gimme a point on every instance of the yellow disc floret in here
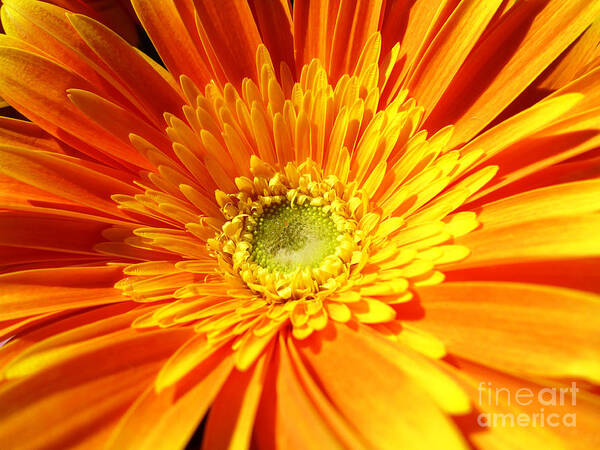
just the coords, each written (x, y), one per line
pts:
(286, 237)
(290, 235)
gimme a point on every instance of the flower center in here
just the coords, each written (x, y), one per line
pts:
(288, 236)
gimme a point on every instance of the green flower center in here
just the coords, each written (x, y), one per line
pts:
(287, 237)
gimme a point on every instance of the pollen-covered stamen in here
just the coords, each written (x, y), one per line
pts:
(288, 236)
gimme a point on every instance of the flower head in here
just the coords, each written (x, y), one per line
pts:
(326, 228)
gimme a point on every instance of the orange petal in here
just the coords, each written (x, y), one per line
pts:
(115, 14)
(549, 176)
(538, 33)
(412, 24)
(546, 239)
(118, 121)
(418, 340)
(28, 332)
(228, 28)
(574, 136)
(140, 78)
(579, 273)
(330, 415)
(45, 28)
(45, 290)
(10, 328)
(385, 405)
(587, 85)
(524, 328)
(527, 123)
(47, 32)
(37, 86)
(409, 22)
(90, 405)
(370, 310)
(314, 23)
(64, 177)
(288, 418)
(355, 23)
(20, 258)
(74, 342)
(175, 412)
(94, 387)
(172, 38)
(252, 347)
(21, 133)
(232, 415)
(449, 50)
(578, 59)
(569, 199)
(13, 192)
(193, 353)
(428, 374)
(274, 20)
(51, 230)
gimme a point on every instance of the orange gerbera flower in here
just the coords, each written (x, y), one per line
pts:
(346, 225)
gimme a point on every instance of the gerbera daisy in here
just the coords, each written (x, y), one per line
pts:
(340, 225)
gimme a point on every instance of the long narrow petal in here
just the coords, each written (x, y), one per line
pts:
(528, 329)
(39, 291)
(146, 84)
(35, 329)
(274, 20)
(99, 384)
(38, 86)
(174, 412)
(193, 353)
(63, 177)
(493, 76)
(74, 342)
(449, 50)
(230, 31)
(55, 230)
(14, 192)
(574, 62)
(566, 172)
(522, 125)
(333, 417)
(574, 136)
(232, 415)
(573, 273)
(355, 23)
(376, 397)
(546, 239)
(112, 13)
(172, 39)
(413, 24)
(118, 121)
(24, 134)
(314, 22)
(553, 201)
(44, 28)
(288, 418)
